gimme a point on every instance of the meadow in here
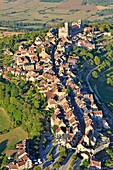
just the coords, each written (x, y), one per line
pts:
(4, 120)
(102, 89)
(10, 139)
(15, 135)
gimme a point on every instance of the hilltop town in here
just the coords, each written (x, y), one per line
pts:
(79, 122)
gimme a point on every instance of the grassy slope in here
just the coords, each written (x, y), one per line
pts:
(101, 88)
(4, 120)
(104, 90)
(8, 140)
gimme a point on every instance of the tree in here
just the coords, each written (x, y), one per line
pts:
(86, 163)
(50, 157)
(89, 55)
(63, 151)
(37, 168)
(5, 161)
(47, 168)
(97, 60)
(54, 128)
(94, 74)
(74, 48)
(108, 47)
(110, 81)
(74, 157)
(68, 91)
(102, 28)
(56, 166)
(83, 52)
(70, 168)
(60, 160)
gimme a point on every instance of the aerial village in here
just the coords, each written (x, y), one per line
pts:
(77, 117)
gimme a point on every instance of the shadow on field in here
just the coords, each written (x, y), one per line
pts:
(3, 145)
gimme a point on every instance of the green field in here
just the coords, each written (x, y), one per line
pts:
(4, 120)
(104, 90)
(8, 140)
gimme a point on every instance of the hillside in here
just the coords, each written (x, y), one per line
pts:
(98, 2)
(41, 13)
(8, 140)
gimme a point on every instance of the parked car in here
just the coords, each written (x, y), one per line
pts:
(36, 163)
(40, 161)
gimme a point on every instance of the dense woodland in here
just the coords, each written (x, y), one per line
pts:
(25, 105)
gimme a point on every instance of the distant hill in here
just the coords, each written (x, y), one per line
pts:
(54, 1)
(98, 2)
(37, 14)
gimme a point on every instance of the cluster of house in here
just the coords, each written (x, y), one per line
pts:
(77, 119)
(30, 58)
(19, 157)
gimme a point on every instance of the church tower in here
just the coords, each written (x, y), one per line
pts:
(66, 28)
(79, 23)
(64, 31)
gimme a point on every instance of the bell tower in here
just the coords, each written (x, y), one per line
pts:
(66, 28)
(79, 23)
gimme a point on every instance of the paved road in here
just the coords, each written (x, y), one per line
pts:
(87, 80)
(101, 147)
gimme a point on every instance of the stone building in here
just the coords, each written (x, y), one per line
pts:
(66, 30)
(63, 31)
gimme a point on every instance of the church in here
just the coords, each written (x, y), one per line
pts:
(67, 30)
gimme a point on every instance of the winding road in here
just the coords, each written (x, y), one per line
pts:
(106, 110)
(89, 85)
